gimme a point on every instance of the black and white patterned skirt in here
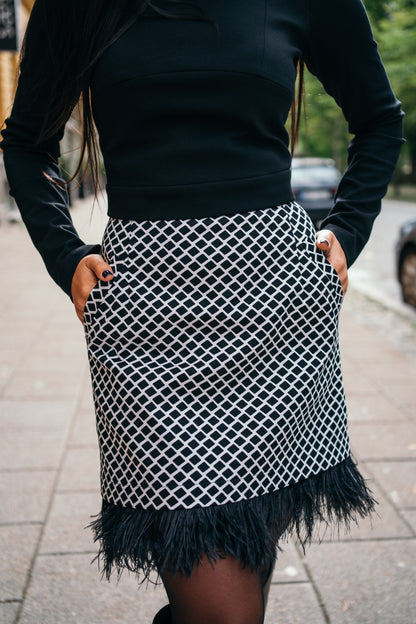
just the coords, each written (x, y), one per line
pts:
(218, 392)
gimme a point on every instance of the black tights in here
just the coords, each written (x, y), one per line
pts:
(224, 594)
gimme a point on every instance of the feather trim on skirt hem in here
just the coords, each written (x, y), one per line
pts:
(144, 541)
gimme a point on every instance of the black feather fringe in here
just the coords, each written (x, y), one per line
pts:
(143, 541)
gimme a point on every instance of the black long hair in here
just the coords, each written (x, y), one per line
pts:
(298, 106)
(81, 33)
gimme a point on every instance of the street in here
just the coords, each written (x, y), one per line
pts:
(374, 273)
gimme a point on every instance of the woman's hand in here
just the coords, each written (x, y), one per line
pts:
(90, 269)
(328, 243)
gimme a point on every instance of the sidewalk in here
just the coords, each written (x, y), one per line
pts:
(49, 473)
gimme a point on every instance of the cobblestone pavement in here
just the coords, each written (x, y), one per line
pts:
(49, 468)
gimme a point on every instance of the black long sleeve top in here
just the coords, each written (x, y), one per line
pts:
(191, 119)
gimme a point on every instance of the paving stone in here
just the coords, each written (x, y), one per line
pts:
(67, 324)
(398, 480)
(362, 349)
(25, 495)
(289, 567)
(17, 547)
(18, 334)
(294, 603)
(65, 315)
(65, 318)
(40, 285)
(35, 414)
(366, 583)
(15, 339)
(8, 612)
(84, 430)
(385, 523)
(381, 360)
(50, 363)
(10, 358)
(66, 530)
(40, 307)
(30, 276)
(349, 367)
(66, 589)
(353, 335)
(80, 471)
(403, 394)
(392, 321)
(86, 400)
(390, 441)
(38, 385)
(73, 336)
(392, 369)
(373, 408)
(6, 371)
(24, 449)
(355, 383)
(410, 516)
(63, 348)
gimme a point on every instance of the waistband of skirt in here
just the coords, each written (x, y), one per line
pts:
(199, 200)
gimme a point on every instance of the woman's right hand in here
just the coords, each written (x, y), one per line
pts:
(327, 242)
(90, 269)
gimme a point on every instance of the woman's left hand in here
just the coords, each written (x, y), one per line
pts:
(328, 243)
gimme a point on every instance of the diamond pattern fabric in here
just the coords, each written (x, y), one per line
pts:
(214, 359)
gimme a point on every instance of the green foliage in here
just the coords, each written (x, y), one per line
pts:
(397, 39)
(396, 36)
(325, 134)
(377, 10)
(324, 131)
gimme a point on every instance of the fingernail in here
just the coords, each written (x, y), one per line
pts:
(323, 240)
(106, 273)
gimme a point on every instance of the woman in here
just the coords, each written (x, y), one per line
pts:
(210, 310)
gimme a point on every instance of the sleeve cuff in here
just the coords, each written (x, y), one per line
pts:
(346, 239)
(69, 264)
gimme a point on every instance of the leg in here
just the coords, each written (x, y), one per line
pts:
(225, 593)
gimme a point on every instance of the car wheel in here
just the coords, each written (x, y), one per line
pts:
(408, 278)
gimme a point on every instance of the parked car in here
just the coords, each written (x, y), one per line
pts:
(406, 261)
(314, 184)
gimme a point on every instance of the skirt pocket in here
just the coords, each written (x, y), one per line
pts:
(95, 301)
(97, 298)
(314, 262)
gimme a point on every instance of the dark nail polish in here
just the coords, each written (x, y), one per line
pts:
(323, 240)
(106, 273)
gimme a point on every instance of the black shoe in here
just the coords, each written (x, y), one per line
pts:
(163, 616)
